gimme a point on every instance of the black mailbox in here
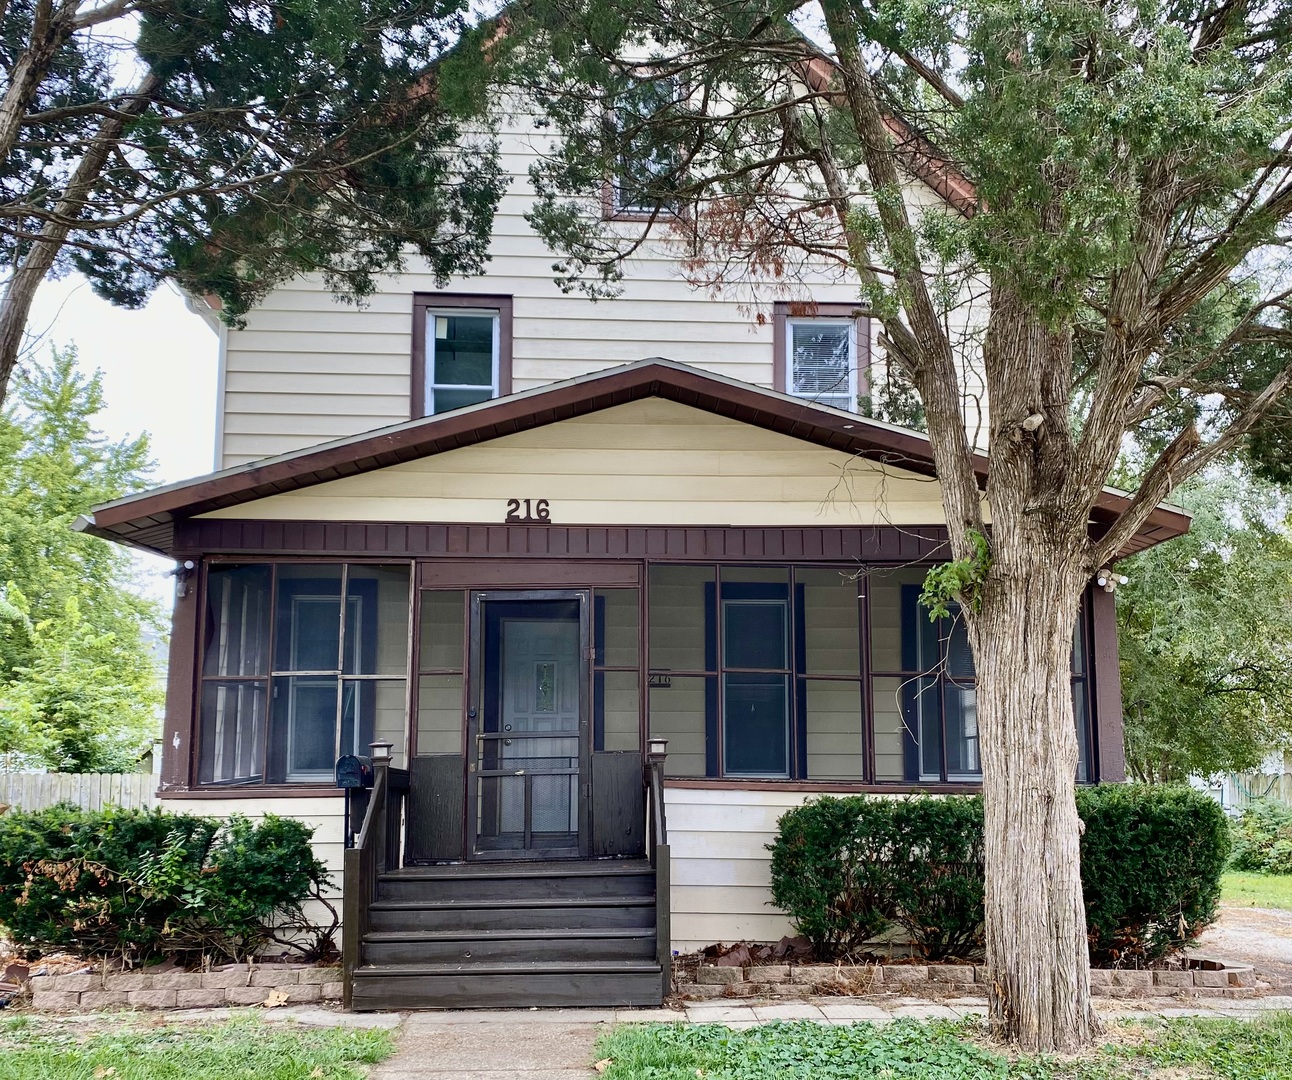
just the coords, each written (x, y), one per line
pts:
(353, 771)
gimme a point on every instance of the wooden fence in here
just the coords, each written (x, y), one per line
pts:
(91, 791)
(1243, 789)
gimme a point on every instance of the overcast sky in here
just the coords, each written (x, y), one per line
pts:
(158, 369)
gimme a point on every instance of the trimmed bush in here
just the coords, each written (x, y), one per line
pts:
(845, 870)
(142, 884)
(1263, 839)
(1151, 860)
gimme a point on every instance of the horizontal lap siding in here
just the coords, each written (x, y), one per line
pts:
(721, 867)
(290, 374)
(649, 462)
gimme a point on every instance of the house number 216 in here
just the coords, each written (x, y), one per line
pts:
(528, 512)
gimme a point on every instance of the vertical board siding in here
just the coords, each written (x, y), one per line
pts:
(89, 791)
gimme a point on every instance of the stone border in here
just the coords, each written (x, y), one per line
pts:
(235, 984)
(1209, 978)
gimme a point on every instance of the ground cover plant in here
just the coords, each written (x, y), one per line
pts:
(146, 884)
(906, 1050)
(137, 1050)
(1257, 890)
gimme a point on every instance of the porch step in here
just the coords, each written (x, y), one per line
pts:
(493, 882)
(506, 985)
(564, 913)
(486, 946)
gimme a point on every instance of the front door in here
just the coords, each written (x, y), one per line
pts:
(528, 731)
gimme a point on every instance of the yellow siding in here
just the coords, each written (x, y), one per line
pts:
(651, 462)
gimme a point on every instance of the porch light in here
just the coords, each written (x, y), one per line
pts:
(380, 752)
(656, 750)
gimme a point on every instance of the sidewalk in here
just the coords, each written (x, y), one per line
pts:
(557, 1044)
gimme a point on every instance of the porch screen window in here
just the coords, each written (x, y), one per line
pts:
(462, 358)
(821, 361)
(301, 663)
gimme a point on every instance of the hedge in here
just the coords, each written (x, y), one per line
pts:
(146, 884)
(847, 870)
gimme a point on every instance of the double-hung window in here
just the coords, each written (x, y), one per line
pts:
(646, 148)
(821, 356)
(461, 351)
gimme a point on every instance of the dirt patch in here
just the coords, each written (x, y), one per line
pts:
(1261, 937)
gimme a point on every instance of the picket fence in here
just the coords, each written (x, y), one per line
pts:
(90, 791)
(1243, 789)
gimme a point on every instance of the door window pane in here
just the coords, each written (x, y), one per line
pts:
(232, 732)
(442, 628)
(681, 622)
(755, 725)
(237, 620)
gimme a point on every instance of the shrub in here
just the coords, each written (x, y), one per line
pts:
(844, 870)
(938, 874)
(831, 871)
(1263, 838)
(144, 884)
(1151, 860)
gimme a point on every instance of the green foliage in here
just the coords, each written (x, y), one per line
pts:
(79, 687)
(306, 138)
(904, 1050)
(845, 870)
(1263, 838)
(959, 581)
(242, 1047)
(144, 884)
(1151, 862)
(1205, 626)
(1257, 890)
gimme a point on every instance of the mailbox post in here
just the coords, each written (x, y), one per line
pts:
(354, 776)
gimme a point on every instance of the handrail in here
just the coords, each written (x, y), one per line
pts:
(660, 859)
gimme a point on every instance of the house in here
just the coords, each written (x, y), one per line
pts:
(609, 616)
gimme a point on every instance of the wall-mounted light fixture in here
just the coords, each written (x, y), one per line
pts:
(182, 572)
(1108, 581)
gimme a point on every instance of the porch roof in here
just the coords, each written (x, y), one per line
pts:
(147, 519)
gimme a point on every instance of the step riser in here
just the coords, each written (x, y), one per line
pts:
(518, 888)
(464, 991)
(541, 918)
(506, 950)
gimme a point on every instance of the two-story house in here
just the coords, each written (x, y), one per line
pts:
(532, 542)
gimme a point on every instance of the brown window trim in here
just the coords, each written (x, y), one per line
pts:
(784, 310)
(253, 791)
(422, 302)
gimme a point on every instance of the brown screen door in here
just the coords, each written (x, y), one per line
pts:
(528, 725)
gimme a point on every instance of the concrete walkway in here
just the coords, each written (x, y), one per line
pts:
(557, 1044)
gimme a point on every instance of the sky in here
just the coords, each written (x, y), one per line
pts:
(159, 377)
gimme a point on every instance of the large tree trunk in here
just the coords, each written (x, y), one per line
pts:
(1036, 930)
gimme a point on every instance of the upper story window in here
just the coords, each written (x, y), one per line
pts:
(822, 356)
(647, 159)
(461, 351)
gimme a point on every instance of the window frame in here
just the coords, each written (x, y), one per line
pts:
(273, 673)
(424, 305)
(784, 313)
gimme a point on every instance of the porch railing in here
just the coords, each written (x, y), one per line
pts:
(375, 850)
(659, 858)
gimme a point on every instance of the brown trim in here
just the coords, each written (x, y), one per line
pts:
(824, 786)
(784, 310)
(527, 573)
(256, 791)
(1106, 689)
(423, 302)
(148, 520)
(179, 728)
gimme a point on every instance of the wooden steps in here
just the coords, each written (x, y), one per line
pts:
(515, 935)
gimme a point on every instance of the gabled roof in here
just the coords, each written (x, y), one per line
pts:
(147, 519)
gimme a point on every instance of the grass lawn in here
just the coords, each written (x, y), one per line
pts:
(906, 1050)
(1257, 890)
(130, 1048)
